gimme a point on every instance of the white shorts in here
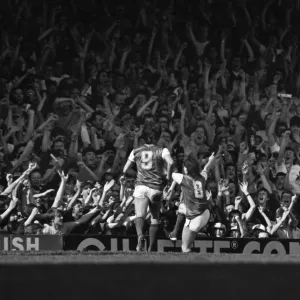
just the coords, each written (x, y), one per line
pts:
(144, 192)
(199, 222)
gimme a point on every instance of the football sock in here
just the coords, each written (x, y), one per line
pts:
(139, 225)
(152, 233)
(178, 226)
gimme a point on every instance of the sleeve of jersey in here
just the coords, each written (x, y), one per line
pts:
(131, 156)
(165, 152)
(177, 177)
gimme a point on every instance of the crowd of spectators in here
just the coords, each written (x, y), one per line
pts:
(82, 83)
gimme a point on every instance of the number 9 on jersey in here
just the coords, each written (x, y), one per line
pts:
(146, 160)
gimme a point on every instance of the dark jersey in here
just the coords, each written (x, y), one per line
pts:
(194, 196)
(149, 160)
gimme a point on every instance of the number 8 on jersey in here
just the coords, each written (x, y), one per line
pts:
(198, 190)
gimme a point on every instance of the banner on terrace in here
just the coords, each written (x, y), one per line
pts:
(4, 242)
(31, 242)
(207, 245)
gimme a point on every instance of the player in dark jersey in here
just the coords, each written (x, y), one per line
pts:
(194, 199)
(150, 161)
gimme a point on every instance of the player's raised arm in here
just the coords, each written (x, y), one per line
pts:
(207, 167)
(130, 161)
(210, 162)
(168, 158)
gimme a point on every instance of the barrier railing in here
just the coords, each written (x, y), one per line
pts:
(203, 245)
(119, 243)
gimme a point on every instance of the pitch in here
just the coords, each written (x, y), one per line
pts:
(61, 257)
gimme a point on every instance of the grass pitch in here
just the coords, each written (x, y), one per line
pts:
(59, 257)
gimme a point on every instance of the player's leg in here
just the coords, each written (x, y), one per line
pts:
(188, 236)
(154, 205)
(140, 204)
(179, 222)
(191, 228)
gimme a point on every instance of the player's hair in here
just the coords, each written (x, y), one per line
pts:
(192, 166)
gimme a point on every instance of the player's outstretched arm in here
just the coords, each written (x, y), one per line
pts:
(168, 158)
(130, 161)
(127, 166)
(209, 163)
